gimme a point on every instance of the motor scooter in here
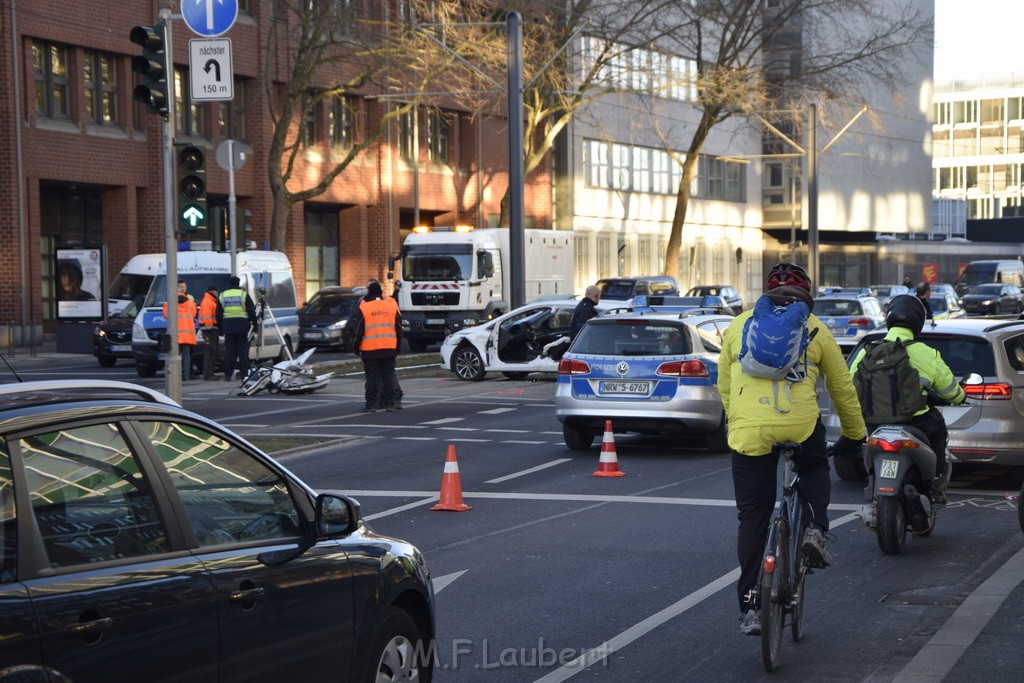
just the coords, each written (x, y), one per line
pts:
(901, 466)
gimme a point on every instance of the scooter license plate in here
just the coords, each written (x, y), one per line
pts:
(889, 469)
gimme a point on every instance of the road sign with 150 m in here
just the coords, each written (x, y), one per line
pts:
(210, 70)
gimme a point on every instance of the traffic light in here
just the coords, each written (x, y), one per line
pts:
(190, 181)
(154, 65)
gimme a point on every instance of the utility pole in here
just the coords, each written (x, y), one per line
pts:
(172, 364)
(813, 257)
(516, 177)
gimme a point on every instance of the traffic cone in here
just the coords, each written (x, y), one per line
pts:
(451, 486)
(609, 464)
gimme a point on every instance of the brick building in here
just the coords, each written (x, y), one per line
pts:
(83, 160)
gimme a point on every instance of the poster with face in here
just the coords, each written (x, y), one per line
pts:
(78, 281)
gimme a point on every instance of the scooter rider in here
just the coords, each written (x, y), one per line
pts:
(905, 320)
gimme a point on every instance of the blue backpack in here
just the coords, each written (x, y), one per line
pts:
(774, 341)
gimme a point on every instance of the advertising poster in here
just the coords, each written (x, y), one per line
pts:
(78, 280)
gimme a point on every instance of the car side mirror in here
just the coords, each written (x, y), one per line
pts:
(972, 378)
(336, 515)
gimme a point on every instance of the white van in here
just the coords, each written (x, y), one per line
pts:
(266, 275)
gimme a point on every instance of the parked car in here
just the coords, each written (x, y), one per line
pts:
(112, 338)
(143, 542)
(993, 300)
(322, 319)
(945, 306)
(625, 288)
(849, 316)
(648, 374)
(885, 292)
(990, 272)
(727, 292)
(516, 343)
(989, 428)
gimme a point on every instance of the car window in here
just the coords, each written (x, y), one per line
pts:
(632, 338)
(964, 355)
(663, 288)
(1015, 352)
(562, 320)
(711, 336)
(229, 495)
(872, 307)
(836, 307)
(89, 497)
(616, 290)
(8, 520)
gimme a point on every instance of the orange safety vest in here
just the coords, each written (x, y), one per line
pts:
(379, 318)
(208, 311)
(186, 321)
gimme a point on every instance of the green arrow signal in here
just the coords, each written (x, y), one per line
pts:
(193, 216)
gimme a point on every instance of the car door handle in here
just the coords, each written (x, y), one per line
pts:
(88, 628)
(248, 595)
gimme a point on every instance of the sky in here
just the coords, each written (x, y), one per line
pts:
(977, 37)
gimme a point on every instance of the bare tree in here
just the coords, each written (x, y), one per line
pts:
(755, 56)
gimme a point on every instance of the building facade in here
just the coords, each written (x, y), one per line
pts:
(84, 160)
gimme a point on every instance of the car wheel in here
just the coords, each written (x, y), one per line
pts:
(106, 361)
(398, 652)
(718, 440)
(417, 345)
(145, 370)
(516, 376)
(850, 469)
(576, 439)
(467, 364)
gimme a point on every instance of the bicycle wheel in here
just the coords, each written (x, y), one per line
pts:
(797, 602)
(772, 599)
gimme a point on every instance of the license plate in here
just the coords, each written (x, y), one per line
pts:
(622, 387)
(312, 335)
(889, 469)
(434, 321)
(120, 348)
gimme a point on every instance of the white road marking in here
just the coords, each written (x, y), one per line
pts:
(652, 622)
(523, 441)
(509, 431)
(444, 420)
(496, 411)
(416, 438)
(458, 429)
(528, 471)
(466, 440)
(402, 508)
(442, 582)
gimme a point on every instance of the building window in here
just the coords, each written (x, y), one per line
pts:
(407, 135)
(621, 167)
(231, 114)
(604, 256)
(308, 132)
(341, 122)
(100, 74)
(50, 69)
(189, 119)
(322, 255)
(438, 130)
(581, 259)
(597, 163)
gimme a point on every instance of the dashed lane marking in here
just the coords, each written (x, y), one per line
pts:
(444, 420)
(528, 471)
(496, 411)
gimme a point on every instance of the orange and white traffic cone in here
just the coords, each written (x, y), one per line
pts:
(609, 464)
(451, 485)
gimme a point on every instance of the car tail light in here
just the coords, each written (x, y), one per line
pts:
(861, 322)
(999, 391)
(893, 446)
(571, 366)
(683, 368)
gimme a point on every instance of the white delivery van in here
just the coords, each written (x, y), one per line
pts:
(266, 275)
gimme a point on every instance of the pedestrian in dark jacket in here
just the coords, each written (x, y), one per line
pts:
(585, 310)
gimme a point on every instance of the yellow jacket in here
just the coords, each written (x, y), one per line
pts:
(750, 402)
(929, 365)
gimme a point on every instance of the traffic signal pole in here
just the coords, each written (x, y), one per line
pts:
(172, 364)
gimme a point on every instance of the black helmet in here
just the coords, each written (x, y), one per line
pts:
(906, 310)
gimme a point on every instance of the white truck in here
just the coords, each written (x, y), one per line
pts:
(457, 277)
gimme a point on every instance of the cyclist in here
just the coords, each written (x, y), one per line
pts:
(755, 423)
(905, 320)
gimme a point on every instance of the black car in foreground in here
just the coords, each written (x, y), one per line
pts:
(142, 542)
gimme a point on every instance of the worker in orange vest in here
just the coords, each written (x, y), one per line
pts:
(378, 333)
(187, 313)
(208, 328)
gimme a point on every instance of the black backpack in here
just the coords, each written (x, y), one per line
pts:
(888, 386)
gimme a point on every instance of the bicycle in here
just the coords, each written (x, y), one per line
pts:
(784, 568)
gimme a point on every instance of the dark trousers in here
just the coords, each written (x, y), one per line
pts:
(212, 354)
(236, 353)
(934, 427)
(380, 389)
(755, 479)
(396, 388)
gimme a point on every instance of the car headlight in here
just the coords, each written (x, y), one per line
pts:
(340, 325)
(99, 332)
(987, 302)
(139, 334)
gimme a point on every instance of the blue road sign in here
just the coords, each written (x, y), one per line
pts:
(209, 17)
